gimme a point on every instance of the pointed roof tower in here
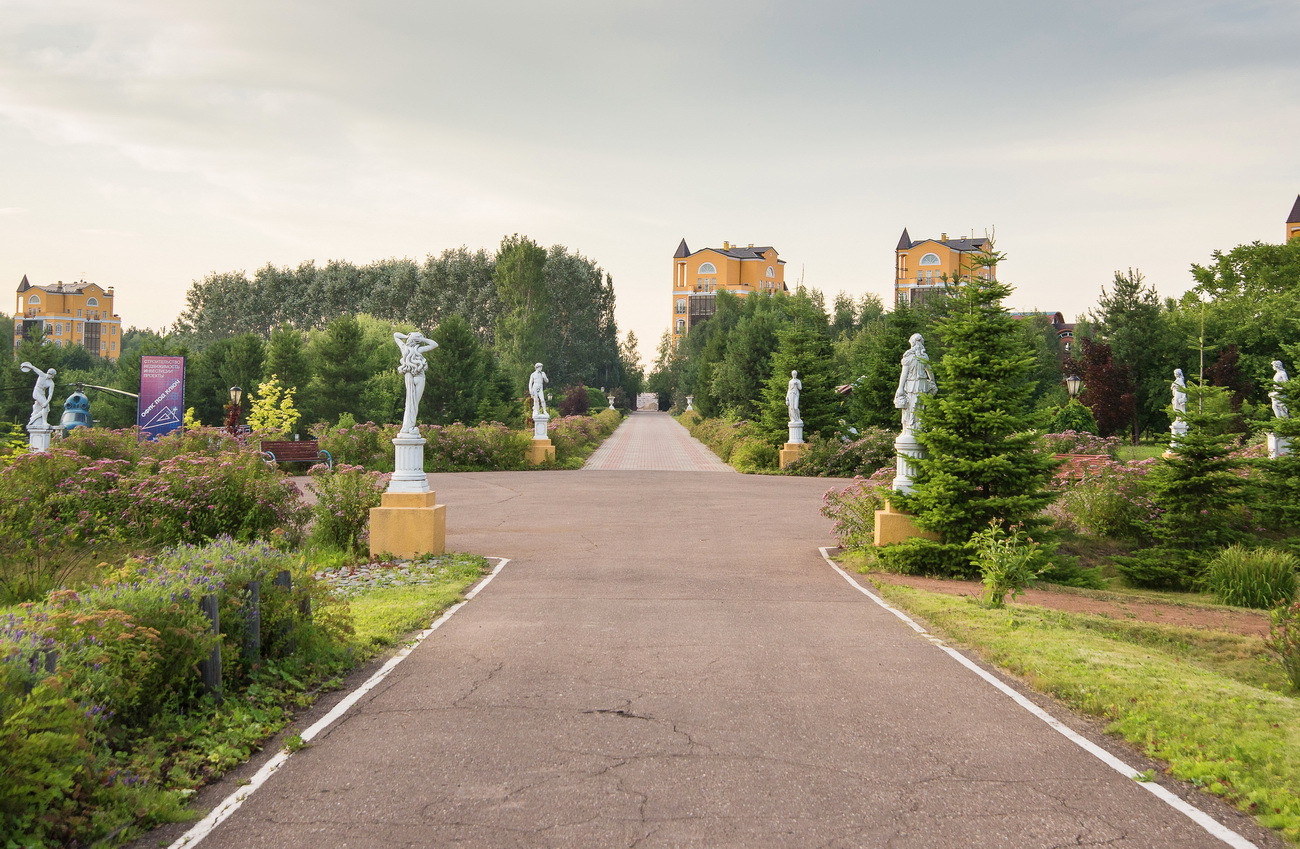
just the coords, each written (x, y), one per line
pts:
(682, 251)
(24, 286)
(1293, 221)
(904, 242)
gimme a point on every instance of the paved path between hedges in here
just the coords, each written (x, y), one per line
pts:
(654, 442)
(666, 661)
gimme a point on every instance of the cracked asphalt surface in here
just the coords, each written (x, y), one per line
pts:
(667, 662)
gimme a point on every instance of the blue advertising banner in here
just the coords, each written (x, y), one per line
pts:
(161, 407)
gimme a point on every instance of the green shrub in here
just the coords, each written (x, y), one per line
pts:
(1008, 562)
(832, 457)
(927, 557)
(1259, 578)
(367, 444)
(460, 448)
(1284, 640)
(344, 497)
(852, 510)
(1113, 503)
(754, 455)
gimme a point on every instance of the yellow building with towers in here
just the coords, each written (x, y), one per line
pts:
(699, 275)
(1293, 222)
(925, 266)
(69, 314)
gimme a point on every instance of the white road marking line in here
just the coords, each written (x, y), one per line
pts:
(1204, 820)
(231, 803)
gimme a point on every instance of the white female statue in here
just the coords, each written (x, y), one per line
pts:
(792, 395)
(915, 381)
(1179, 390)
(414, 346)
(42, 392)
(536, 388)
(1278, 394)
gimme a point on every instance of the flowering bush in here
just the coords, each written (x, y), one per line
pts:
(99, 443)
(832, 457)
(366, 444)
(752, 454)
(193, 498)
(577, 436)
(487, 447)
(1077, 442)
(853, 509)
(344, 496)
(1112, 500)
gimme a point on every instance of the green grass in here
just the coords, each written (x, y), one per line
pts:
(382, 617)
(1212, 705)
(1144, 451)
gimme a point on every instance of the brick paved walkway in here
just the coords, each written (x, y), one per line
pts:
(654, 442)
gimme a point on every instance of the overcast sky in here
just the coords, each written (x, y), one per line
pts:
(144, 144)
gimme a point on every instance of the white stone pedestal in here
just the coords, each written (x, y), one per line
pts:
(1278, 446)
(1178, 428)
(796, 432)
(38, 439)
(408, 474)
(907, 449)
(539, 426)
(409, 522)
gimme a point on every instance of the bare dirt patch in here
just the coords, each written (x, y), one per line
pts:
(1251, 623)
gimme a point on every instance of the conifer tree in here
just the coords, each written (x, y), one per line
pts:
(982, 465)
(1194, 487)
(805, 349)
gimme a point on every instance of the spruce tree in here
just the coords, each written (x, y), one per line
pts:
(982, 465)
(1195, 488)
(805, 349)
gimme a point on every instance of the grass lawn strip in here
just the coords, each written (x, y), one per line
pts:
(383, 610)
(1236, 739)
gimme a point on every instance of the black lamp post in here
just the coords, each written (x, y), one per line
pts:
(232, 417)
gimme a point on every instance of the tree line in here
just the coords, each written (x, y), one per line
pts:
(326, 332)
(1242, 313)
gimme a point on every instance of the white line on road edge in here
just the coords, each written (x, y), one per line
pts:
(232, 802)
(1195, 814)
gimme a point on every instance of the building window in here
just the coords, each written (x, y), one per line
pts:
(681, 325)
(708, 268)
(770, 272)
(902, 296)
(930, 259)
(78, 313)
(681, 306)
(34, 299)
(92, 302)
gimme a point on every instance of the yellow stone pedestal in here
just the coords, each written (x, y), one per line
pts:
(540, 451)
(896, 526)
(408, 524)
(791, 452)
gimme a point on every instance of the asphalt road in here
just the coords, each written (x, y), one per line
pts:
(667, 662)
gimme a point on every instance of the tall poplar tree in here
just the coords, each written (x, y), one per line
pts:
(525, 310)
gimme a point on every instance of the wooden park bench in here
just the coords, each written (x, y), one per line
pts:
(306, 451)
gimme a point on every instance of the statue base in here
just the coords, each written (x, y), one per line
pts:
(408, 461)
(1178, 428)
(1278, 446)
(540, 422)
(792, 451)
(906, 449)
(796, 432)
(896, 526)
(540, 451)
(38, 439)
(408, 525)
